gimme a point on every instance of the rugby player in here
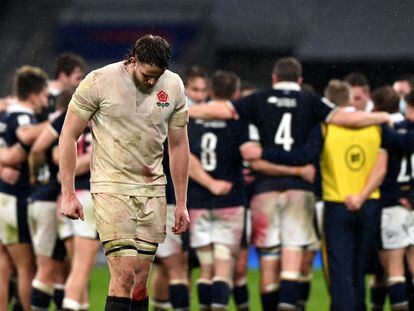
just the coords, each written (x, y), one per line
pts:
(132, 106)
(30, 87)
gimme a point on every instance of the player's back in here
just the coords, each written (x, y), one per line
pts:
(216, 144)
(17, 117)
(284, 116)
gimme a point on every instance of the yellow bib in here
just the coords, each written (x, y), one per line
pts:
(347, 159)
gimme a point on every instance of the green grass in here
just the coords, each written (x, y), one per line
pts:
(319, 299)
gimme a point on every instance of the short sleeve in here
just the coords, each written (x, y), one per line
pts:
(57, 124)
(244, 136)
(246, 108)
(322, 109)
(179, 117)
(85, 100)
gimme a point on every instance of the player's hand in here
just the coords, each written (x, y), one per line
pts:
(71, 208)
(220, 187)
(354, 202)
(308, 173)
(404, 202)
(182, 219)
(9, 175)
(247, 176)
(252, 151)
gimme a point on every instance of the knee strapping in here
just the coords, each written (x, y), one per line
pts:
(222, 251)
(205, 257)
(120, 247)
(269, 253)
(290, 276)
(146, 250)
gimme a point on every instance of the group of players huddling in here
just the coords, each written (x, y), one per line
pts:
(270, 158)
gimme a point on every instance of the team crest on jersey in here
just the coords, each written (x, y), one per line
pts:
(162, 97)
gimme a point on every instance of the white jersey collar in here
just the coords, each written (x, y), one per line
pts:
(19, 108)
(287, 86)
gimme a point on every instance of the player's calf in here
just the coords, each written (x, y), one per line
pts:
(269, 280)
(397, 292)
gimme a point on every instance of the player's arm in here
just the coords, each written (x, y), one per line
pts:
(28, 134)
(305, 154)
(200, 176)
(373, 182)
(13, 156)
(37, 153)
(73, 127)
(179, 154)
(357, 119)
(306, 172)
(215, 110)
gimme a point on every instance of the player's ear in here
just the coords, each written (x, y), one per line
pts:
(300, 81)
(274, 79)
(132, 60)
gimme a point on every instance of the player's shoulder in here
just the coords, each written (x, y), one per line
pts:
(170, 79)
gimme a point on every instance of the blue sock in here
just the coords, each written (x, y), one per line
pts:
(114, 303)
(378, 296)
(221, 294)
(40, 299)
(269, 300)
(398, 296)
(58, 295)
(204, 294)
(304, 294)
(241, 297)
(179, 296)
(289, 292)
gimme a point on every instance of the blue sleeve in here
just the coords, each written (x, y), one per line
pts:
(392, 140)
(322, 108)
(244, 132)
(57, 124)
(308, 153)
(247, 108)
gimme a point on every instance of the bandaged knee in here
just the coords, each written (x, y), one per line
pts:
(146, 250)
(120, 247)
(205, 257)
(269, 253)
(222, 252)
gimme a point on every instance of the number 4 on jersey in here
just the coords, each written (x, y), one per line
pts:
(284, 132)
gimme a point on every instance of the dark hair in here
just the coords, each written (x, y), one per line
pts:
(152, 50)
(67, 62)
(338, 92)
(357, 79)
(224, 84)
(306, 87)
(195, 72)
(63, 99)
(409, 99)
(288, 69)
(386, 99)
(29, 80)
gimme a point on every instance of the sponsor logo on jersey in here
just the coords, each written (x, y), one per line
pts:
(355, 158)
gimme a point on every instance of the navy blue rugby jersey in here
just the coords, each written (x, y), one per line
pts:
(48, 188)
(284, 116)
(400, 163)
(84, 145)
(216, 144)
(15, 118)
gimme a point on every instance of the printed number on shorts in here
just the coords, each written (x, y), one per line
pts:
(284, 132)
(208, 151)
(404, 176)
